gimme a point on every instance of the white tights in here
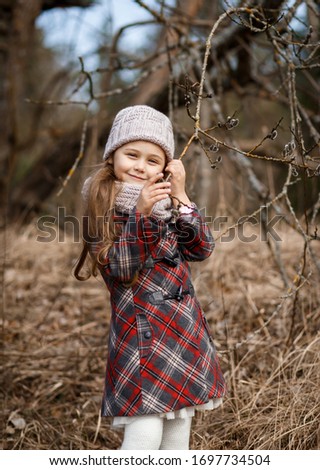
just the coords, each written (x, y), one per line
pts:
(154, 433)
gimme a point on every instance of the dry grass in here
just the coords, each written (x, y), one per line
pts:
(55, 333)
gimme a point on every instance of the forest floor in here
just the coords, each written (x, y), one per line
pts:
(55, 332)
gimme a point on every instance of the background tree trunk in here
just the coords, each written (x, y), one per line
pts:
(16, 40)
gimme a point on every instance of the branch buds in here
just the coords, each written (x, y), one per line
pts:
(231, 123)
(310, 173)
(216, 162)
(214, 147)
(288, 149)
(273, 135)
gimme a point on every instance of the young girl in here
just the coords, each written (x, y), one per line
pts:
(141, 231)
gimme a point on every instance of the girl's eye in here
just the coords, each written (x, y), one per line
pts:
(154, 162)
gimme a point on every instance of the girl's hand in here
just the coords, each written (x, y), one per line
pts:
(152, 192)
(178, 181)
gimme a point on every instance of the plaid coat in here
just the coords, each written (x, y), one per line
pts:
(161, 355)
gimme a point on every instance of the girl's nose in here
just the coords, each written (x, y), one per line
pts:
(139, 166)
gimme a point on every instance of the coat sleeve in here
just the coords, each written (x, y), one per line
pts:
(139, 236)
(195, 240)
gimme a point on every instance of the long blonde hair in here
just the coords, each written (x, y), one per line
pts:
(98, 226)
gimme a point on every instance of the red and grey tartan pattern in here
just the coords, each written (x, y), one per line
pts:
(161, 356)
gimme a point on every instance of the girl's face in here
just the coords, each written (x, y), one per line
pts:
(138, 161)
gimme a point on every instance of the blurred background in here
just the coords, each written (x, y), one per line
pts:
(243, 77)
(136, 52)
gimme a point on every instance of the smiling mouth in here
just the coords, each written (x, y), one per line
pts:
(138, 177)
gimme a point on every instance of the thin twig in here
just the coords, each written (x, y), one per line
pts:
(78, 159)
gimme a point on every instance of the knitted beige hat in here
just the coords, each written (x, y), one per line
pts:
(140, 123)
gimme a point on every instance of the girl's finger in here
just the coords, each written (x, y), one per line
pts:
(159, 192)
(162, 185)
(153, 180)
(159, 197)
(174, 166)
(155, 188)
